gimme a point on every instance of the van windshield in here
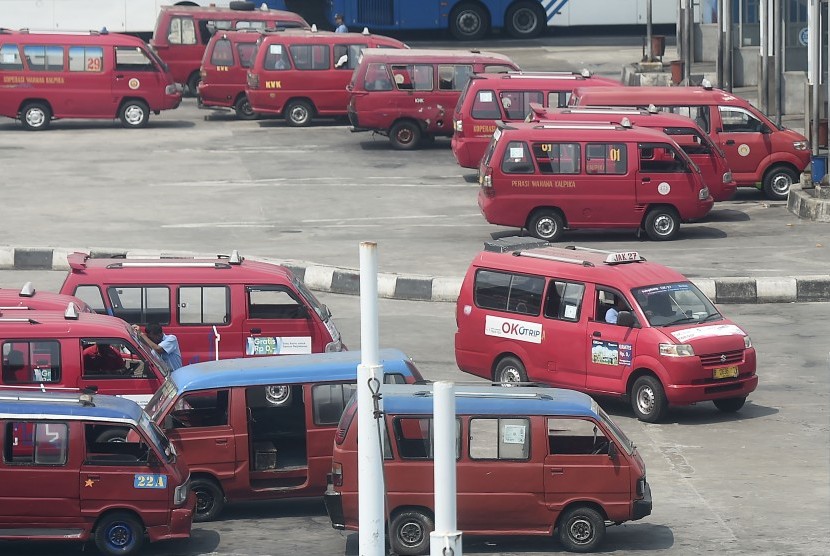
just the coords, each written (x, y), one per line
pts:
(678, 303)
(161, 400)
(321, 310)
(616, 432)
(154, 434)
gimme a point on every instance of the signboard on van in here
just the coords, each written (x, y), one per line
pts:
(269, 345)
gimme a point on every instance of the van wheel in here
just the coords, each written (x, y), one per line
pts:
(209, 499)
(298, 113)
(648, 399)
(525, 20)
(777, 182)
(410, 531)
(547, 224)
(193, 84)
(581, 529)
(119, 534)
(730, 405)
(243, 109)
(662, 223)
(112, 435)
(469, 22)
(134, 114)
(405, 135)
(510, 369)
(36, 116)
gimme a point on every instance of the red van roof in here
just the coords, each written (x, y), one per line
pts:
(643, 96)
(436, 55)
(97, 38)
(297, 35)
(540, 77)
(55, 324)
(227, 13)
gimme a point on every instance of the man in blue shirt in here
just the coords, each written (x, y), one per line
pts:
(338, 22)
(166, 345)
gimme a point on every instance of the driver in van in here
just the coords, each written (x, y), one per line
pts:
(101, 358)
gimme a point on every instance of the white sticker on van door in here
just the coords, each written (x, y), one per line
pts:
(664, 188)
(701, 331)
(743, 149)
(286, 345)
(514, 329)
(513, 434)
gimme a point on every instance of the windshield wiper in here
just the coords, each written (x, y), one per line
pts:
(708, 317)
(679, 320)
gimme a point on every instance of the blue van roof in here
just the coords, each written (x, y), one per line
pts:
(284, 369)
(406, 399)
(17, 404)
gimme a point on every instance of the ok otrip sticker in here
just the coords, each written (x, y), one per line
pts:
(513, 329)
(610, 353)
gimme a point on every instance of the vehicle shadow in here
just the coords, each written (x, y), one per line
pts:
(294, 507)
(703, 413)
(201, 541)
(727, 215)
(84, 125)
(621, 235)
(378, 142)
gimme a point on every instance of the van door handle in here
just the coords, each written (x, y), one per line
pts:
(256, 330)
(119, 77)
(646, 180)
(597, 334)
(222, 441)
(730, 141)
(557, 470)
(94, 477)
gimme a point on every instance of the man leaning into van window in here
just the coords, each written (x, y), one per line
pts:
(166, 345)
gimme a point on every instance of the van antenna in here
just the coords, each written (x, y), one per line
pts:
(365, 31)
(313, 27)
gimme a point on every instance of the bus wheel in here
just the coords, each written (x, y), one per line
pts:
(243, 109)
(405, 135)
(777, 182)
(662, 223)
(119, 534)
(298, 113)
(648, 400)
(525, 20)
(36, 116)
(469, 22)
(410, 531)
(510, 369)
(209, 499)
(134, 113)
(546, 224)
(581, 529)
(730, 405)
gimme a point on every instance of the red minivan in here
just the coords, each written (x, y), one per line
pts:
(409, 95)
(507, 97)
(760, 153)
(224, 72)
(303, 74)
(182, 32)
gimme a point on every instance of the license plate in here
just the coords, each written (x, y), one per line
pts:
(725, 372)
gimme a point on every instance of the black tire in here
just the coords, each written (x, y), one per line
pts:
(777, 182)
(546, 224)
(242, 6)
(510, 369)
(243, 109)
(409, 533)
(298, 113)
(469, 22)
(581, 529)
(119, 534)
(112, 435)
(193, 84)
(35, 116)
(662, 223)
(525, 20)
(648, 399)
(210, 500)
(405, 135)
(134, 114)
(730, 405)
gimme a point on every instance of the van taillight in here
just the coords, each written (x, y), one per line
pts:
(458, 127)
(336, 474)
(345, 421)
(486, 181)
(253, 81)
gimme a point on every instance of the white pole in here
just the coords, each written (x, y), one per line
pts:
(216, 338)
(446, 539)
(371, 540)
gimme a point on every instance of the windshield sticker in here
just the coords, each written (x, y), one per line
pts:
(513, 329)
(610, 353)
(681, 287)
(513, 434)
(701, 331)
(664, 188)
(288, 345)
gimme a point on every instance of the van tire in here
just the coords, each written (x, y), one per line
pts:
(242, 5)
(112, 435)
(409, 532)
(581, 529)
(210, 500)
(469, 22)
(648, 399)
(510, 369)
(243, 109)
(35, 116)
(119, 534)
(193, 84)
(777, 182)
(730, 405)
(662, 223)
(546, 224)
(298, 113)
(134, 114)
(525, 20)
(405, 135)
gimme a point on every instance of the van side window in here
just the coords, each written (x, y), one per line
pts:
(607, 299)
(737, 120)
(517, 103)
(513, 293)
(700, 114)
(606, 158)
(558, 99)
(200, 409)
(129, 58)
(44, 58)
(660, 158)
(329, 400)
(351, 52)
(273, 303)
(576, 437)
(91, 295)
(564, 300)
(207, 28)
(276, 58)
(498, 69)
(500, 438)
(417, 77)
(31, 361)
(251, 25)
(204, 305)
(310, 56)
(124, 452)
(86, 58)
(557, 158)
(485, 106)
(516, 159)
(245, 51)
(182, 31)
(453, 77)
(139, 305)
(415, 436)
(111, 358)
(222, 54)
(689, 140)
(10, 59)
(27, 442)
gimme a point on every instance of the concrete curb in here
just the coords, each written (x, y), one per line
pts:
(783, 289)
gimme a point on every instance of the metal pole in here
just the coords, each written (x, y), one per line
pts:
(778, 57)
(680, 32)
(690, 55)
(719, 62)
(814, 73)
(763, 78)
(446, 539)
(728, 51)
(649, 46)
(371, 540)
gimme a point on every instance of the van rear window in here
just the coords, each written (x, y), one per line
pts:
(10, 59)
(36, 443)
(44, 58)
(516, 159)
(140, 305)
(512, 293)
(35, 361)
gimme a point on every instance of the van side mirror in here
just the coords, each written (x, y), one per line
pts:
(626, 318)
(765, 129)
(612, 450)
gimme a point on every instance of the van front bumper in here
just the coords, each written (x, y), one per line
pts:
(686, 394)
(642, 508)
(181, 520)
(334, 507)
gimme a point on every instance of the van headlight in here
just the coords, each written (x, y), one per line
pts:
(727, 177)
(747, 342)
(801, 145)
(172, 89)
(676, 350)
(704, 194)
(180, 494)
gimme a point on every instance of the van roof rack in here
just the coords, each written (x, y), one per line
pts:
(167, 263)
(574, 125)
(17, 319)
(85, 398)
(497, 393)
(612, 257)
